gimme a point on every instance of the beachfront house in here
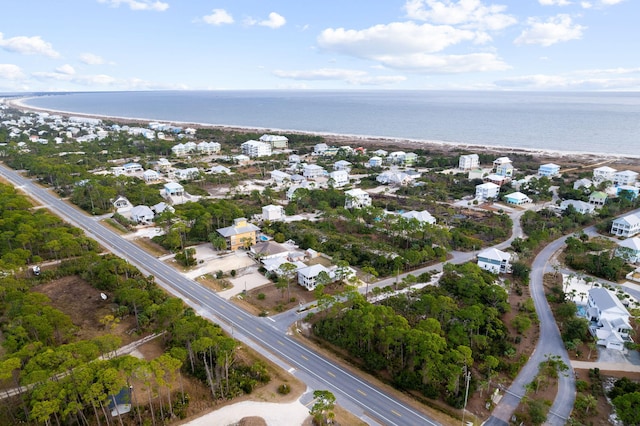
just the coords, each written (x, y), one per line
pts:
(240, 234)
(604, 173)
(356, 199)
(609, 319)
(494, 260)
(549, 170)
(255, 149)
(276, 141)
(486, 191)
(469, 162)
(629, 250)
(626, 226)
(625, 177)
(517, 198)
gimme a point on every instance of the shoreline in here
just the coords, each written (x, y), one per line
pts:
(339, 138)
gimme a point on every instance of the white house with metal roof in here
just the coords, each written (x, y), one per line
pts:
(494, 260)
(626, 226)
(609, 319)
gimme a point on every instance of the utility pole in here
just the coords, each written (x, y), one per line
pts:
(467, 377)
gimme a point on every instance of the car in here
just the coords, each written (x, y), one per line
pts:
(36, 270)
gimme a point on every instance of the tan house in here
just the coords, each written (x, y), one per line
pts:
(240, 234)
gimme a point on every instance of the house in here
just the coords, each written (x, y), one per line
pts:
(609, 319)
(276, 141)
(279, 177)
(132, 168)
(339, 178)
(320, 148)
(186, 174)
(150, 175)
(604, 173)
(294, 159)
(494, 260)
(422, 216)
(468, 162)
(517, 198)
(122, 204)
(241, 159)
(500, 161)
(173, 189)
(581, 207)
(273, 213)
(240, 234)
(162, 164)
(179, 150)
(598, 199)
(626, 226)
(549, 170)
(162, 207)
(255, 149)
(396, 157)
(356, 198)
(142, 214)
(627, 191)
(629, 250)
(625, 177)
(208, 147)
(497, 179)
(312, 171)
(582, 183)
(410, 158)
(394, 177)
(220, 169)
(269, 250)
(375, 162)
(486, 191)
(505, 169)
(307, 277)
(380, 152)
(342, 165)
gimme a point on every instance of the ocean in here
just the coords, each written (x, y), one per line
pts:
(591, 122)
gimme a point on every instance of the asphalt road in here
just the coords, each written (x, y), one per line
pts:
(352, 392)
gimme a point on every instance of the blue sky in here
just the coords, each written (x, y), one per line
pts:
(87, 45)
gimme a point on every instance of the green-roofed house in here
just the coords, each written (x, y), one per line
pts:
(598, 199)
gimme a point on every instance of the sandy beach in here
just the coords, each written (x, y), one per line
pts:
(559, 156)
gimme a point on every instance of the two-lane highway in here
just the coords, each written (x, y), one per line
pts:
(353, 392)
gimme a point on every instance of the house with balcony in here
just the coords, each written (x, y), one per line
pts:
(487, 190)
(339, 178)
(469, 162)
(240, 234)
(625, 177)
(375, 162)
(308, 277)
(276, 141)
(273, 213)
(150, 176)
(598, 199)
(549, 170)
(320, 148)
(142, 215)
(604, 173)
(609, 319)
(209, 147)
(626, 226)
(356, 199)
(342, 165)
(255, 149)
(312, 171)
(494, 260)
(173, 189)
(581, 207)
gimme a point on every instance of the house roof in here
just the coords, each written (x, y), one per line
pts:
(356, 192)
(631, 243)
(598, 195)
(312, 271)
(173, 185)
(519, 196)
(237, 230)
(493, 253)
(605, 169)
(630, 219)
(423, 216)
(139, 211)
(606, 301)
(269, 248)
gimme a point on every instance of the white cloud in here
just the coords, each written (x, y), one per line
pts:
(395, 38)
(354, 77)
(95, 80)
(28, 46)
(91, 59)
(466, 13)
(445, 64)
(218, 17)
(595, 79)
(556, 29)
(554, 2)
(275, 21)
(10, 72)
(157, 6)
(66, 69)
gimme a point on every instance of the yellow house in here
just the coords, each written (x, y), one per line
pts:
(240, 234)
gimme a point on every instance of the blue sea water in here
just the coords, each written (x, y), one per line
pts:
(566, 121)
